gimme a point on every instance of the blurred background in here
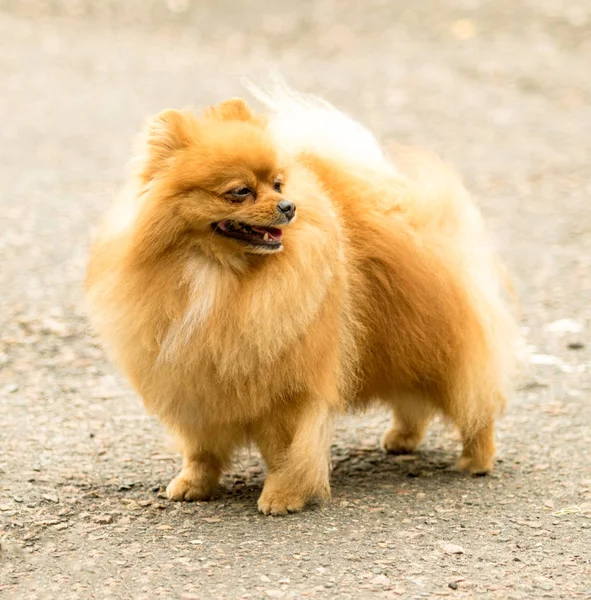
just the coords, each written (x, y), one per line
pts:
(499, 88)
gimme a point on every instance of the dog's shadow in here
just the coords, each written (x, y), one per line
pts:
(358, 474)
(357, 471)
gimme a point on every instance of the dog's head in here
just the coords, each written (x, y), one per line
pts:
(215, 180)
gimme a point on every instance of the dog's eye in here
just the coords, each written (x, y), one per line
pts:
(241, 193)
(277, 185)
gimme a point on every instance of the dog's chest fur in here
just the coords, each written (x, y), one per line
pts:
(235, 325)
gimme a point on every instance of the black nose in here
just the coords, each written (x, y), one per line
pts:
(287, 208)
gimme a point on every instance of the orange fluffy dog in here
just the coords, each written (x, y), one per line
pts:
(261, 273)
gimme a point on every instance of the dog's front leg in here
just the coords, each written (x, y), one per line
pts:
(296, 447)
(206, 453)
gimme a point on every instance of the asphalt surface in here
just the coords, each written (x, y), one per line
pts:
(499, 88)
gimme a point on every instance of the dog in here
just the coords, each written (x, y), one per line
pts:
(263, 271)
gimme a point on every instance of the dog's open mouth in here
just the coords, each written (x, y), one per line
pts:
(268, 237)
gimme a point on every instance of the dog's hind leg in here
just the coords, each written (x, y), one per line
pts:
(475, 418)
(412, 415)
(478, 453)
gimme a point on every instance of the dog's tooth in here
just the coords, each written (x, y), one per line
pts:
(266, 237)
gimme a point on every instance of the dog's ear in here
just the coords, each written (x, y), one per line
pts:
(234, 109)
(168, 131)
(165, 134)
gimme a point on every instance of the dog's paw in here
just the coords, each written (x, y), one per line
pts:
(276, 502)
(395, 441)
(181, 488)
(474, 466)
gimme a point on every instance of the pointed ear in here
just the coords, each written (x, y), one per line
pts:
(165, 134)
(234, 109)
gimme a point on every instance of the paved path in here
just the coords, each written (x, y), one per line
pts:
(501, 89)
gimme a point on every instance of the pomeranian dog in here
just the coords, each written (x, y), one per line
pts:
(262, 272)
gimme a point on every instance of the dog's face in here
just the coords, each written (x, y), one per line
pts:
(217, 180)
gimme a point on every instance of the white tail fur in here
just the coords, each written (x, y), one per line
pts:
(303, 122)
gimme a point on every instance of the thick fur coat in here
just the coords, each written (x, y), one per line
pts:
(383, 287)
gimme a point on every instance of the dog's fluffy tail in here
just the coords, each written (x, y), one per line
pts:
(306, 123)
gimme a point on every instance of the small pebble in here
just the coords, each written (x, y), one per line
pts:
(452, 549)
(103, 519)
(381, 580)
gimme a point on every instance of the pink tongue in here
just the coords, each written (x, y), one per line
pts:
(274, 233)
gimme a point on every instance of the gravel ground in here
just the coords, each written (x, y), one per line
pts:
(501, 89)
